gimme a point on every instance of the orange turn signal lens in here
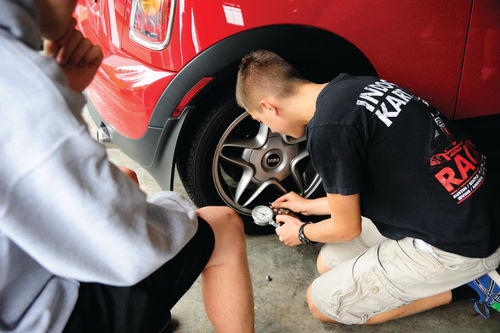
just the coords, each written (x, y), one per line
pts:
(150, 7)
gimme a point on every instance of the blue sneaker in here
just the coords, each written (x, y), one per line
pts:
(488, 289)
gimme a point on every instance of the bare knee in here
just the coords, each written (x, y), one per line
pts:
(222, 219)
(228, 231)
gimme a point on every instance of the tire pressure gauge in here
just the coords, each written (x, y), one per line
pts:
(263, 215)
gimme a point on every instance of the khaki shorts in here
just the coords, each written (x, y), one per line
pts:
(372, 274)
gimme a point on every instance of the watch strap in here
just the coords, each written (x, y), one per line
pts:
(302, 237)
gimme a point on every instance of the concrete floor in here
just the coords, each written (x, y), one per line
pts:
(280, 304)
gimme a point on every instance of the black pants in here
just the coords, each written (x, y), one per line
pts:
(144, 307)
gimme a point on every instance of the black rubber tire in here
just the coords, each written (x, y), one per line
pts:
(203, 140)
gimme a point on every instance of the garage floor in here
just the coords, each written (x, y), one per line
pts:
(280, 304)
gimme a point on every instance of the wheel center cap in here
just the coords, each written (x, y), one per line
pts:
(272, 159)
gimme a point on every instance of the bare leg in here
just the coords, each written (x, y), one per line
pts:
(226, 285)
(417, 306)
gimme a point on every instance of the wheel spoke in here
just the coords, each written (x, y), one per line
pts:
(297, 177)
(256, 142)
(245, 180)
(237, 161)
(291, 140)
(262, 187)
(246, 176)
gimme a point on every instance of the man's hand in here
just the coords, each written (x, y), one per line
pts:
(77, 56)
(288, 232)
(291, 201)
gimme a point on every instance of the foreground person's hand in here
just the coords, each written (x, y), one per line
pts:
(77, 56)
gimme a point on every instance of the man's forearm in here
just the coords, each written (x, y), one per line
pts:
(318, 206)
(328, 231)
(344, 223)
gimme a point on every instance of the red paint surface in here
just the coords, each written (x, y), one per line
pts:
(418, 45)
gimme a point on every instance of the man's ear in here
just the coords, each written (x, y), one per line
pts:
(267, 106)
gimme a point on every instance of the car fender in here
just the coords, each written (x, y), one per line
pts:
(318, 54)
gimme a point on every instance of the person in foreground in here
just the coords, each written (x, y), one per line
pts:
(385, 154)
(81, 250)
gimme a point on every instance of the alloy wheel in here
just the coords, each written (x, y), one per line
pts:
(253, 166)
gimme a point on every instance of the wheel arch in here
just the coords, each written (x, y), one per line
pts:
(318, 55)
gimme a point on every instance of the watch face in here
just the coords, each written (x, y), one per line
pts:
(262, 215)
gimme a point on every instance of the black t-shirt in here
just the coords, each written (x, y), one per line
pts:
(416, 177)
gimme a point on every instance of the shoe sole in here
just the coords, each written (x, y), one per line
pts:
(495, 277)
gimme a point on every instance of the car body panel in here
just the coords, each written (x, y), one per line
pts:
(480, 83)
(401, 39)
(125, 90)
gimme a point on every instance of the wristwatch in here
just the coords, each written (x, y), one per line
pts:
(302, 238)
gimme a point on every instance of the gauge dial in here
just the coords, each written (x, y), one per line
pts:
(262, 215)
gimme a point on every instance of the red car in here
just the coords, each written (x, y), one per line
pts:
(165, 91)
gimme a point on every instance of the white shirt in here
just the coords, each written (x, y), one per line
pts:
(66, 213)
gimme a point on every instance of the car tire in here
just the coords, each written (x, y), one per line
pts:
(230, 159)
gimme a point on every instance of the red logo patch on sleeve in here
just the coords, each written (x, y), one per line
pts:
(461, 169)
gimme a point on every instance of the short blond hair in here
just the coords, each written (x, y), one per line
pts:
(265, 72)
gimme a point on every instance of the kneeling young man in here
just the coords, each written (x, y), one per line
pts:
(388, 155)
